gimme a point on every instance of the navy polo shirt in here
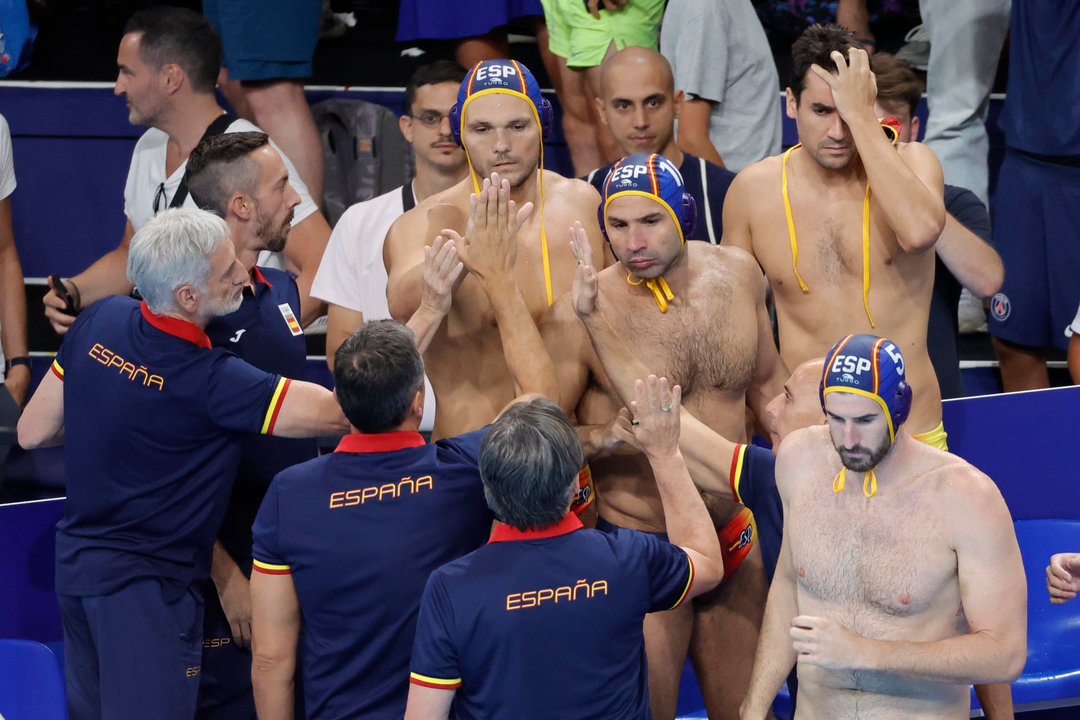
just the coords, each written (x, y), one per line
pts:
(547, 624)
(708, 192)
(265, 332)
(360, 530)
(753, 483)
(153, 415)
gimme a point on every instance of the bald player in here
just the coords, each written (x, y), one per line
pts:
(638, 103)
(876, 635)
(500, 118)
(843, 223)
(695, 313)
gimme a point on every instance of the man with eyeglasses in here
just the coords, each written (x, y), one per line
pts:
(352, 280)
(168, 64)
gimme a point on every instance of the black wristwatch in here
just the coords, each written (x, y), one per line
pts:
(12, 362)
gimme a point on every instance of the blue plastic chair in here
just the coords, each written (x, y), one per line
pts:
(31, 684)
(1051, 677)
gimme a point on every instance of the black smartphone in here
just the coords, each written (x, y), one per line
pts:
(62, 292)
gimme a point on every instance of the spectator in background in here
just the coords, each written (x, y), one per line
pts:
(352, 279)
(638, 103)
(721, 60)
(1036, 208)
(268, 47)
(582, 35)
(168, 60)
(12, 295)
(13, 346)
(965, 257)
(478, 27)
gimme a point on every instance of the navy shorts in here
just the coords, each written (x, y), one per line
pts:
(266, 39)
(1036, 222)
(225, 681)
(132, 654)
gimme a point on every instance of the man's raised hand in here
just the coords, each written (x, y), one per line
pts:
(489, 247)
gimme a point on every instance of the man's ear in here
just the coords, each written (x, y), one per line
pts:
(600, 110)
(679, 98)
(172, 78)
(405, 124)
(791, 105)
(187, 298)
(242, 206)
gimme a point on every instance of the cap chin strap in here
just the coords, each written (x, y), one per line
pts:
(660, 289)
(890, 126)
(869, 487)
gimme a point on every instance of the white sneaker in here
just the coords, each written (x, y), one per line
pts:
(916, 49)
(970, 314)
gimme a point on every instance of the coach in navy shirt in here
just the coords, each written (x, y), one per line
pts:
(546, 619)
(346, 542)
(240, 177)
(150, 417)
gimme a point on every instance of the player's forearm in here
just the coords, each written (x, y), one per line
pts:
(974, 658)
(914, 211)
(693, 136)
(304, 251)
(12, 294)
(107, 276)
(775, 655)
(309, 410)
(622, 367)
(424, 323)
(222, 567)
(273, 685)
(526, 357)
(685, 516)
(973, 262)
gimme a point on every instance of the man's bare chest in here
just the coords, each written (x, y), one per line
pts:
(891, 560)
(705, 341)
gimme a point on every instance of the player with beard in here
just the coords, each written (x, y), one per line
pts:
(695, 313)
(890, 600)
(241, 178)
(500, 119)
(842, 223)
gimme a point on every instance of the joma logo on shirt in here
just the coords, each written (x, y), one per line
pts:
(109, 359)
(405, 486)
(582, 589)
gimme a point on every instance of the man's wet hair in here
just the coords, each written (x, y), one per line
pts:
(814, 46)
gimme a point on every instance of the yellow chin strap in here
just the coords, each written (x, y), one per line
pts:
(869, 487)
(660, 289)
(865, 229)
(540, 174)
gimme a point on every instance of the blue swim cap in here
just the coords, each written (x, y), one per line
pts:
(656, 177)
(872, 367)
(501, 76)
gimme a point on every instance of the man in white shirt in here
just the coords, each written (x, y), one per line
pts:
(168, 63)
(352, 280)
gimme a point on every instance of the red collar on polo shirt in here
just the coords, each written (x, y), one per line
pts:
(175, 326)
(379, 442)
(257, 279)
(504, 532)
